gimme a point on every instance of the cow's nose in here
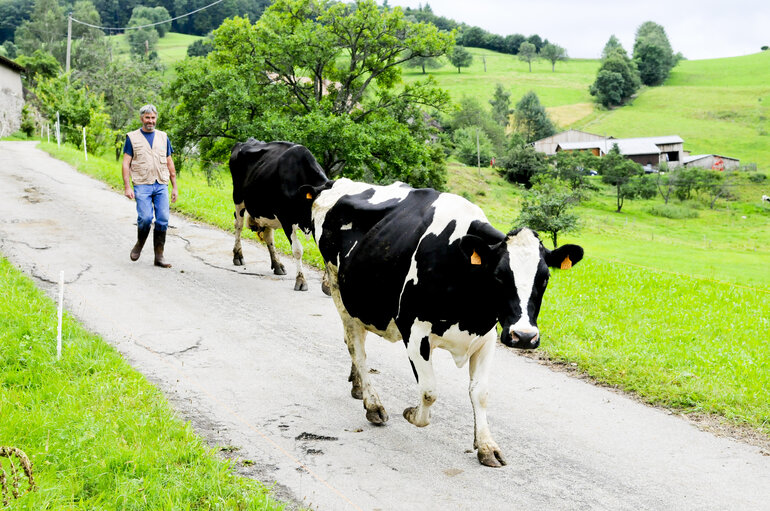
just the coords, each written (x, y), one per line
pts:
(527, 339)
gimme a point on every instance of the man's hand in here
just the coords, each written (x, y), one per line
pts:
(174, 194)
(128, 192)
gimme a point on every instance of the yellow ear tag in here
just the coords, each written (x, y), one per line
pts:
(308, 196)
(566, 264)
(475, 259)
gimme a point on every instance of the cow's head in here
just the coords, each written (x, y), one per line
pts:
(519, 270)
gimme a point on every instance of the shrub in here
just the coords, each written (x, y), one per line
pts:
(672, 211)
(757, 178)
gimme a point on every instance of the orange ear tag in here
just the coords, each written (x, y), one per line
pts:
(308, 196)
(566, 264)
(475, 259)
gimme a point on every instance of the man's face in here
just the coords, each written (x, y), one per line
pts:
(148, 121)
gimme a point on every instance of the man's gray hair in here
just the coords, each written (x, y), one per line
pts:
(148, 109)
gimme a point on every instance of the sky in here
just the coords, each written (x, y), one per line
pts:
(698, 29)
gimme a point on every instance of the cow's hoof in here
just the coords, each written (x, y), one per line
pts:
(278, 269)
(300, 286)
(410, 414)
(357, 393)
(377, 415)
(326, 289)
(238, 261)
(491, 456)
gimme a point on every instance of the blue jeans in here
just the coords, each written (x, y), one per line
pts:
(151, 199)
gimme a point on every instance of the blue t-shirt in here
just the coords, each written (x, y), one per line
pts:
(129, 149)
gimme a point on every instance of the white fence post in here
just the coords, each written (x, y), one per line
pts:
(85, 150)
(58, 130)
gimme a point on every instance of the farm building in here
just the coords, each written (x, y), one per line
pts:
(712, 161)
(548, 145)
(645, 151)
(11, 96)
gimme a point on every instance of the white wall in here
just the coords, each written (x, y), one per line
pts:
(11, 101)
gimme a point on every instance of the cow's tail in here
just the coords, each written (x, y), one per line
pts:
(236, 172)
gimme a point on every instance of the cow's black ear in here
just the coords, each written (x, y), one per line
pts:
(475, 251)
(310, 192)
(564, 257)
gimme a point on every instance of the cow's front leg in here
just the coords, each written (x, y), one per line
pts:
(300, 284)
(275, 264)
(240, 211)
(419, 350)
(488, 452)
(355, 338)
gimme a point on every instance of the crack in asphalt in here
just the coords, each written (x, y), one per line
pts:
(211, 265)
(39, 277)
(171, 353)
(2, 243)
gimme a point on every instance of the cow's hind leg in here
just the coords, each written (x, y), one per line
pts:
(480, 363)
(300, 284)
(275, 264)
(240, 211)
(355, 338)
(419, 350)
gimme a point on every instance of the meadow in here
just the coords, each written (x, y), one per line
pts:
(99, 435)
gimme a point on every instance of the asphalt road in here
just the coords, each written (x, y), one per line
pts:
(257, 366)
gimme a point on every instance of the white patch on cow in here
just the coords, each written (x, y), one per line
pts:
(524, 257)
(447, 208)
(267, 222)
(346, 227)
(460, 343)
(344, 187)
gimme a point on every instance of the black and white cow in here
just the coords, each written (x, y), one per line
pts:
(765, 198)
(428, 268)
(266, 179)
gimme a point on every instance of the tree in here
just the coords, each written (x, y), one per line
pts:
(501, 105)
(45, 30)
(547, 208)
(522, 163)
(653, 54)
(472, 145)
(425, 63)
(617, 170)
(471, 113)
(527, 53)
(460, 57)
(531, 119)
(200, 47)
(553, 53)
(12, 14)
(38, 66)
(537, 41)
(573, 169)
(513, 42)
(612, 45)
(616, 81)
(326, 75)
(152, 15)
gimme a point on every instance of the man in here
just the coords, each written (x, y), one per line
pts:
(147, 163)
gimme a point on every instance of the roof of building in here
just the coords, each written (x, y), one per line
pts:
(627, 146)
(11, 64)
(665, 139)
(696, 157)
(562, 133)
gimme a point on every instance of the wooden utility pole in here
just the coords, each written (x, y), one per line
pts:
(69, 42)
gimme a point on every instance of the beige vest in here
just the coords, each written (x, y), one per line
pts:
(149, 163)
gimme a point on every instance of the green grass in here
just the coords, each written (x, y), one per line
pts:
(171, 48)
(98, 434)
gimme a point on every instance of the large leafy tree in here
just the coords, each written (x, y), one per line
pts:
(618, 171)
(547, 207)
(45, 30)
(553, 53)
(327, 75)
(531, 120)
(460, 57)
(653, 54)
(617, 79)
(527, 53)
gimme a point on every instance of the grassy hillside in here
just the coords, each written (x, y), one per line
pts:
(171, 48)
(717, 106)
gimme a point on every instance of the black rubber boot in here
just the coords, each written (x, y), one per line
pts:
(159, 240)
(141, 237)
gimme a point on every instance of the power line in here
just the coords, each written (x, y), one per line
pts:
(151, 24)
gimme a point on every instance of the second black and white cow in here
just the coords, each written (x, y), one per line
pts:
(266, 179)
(428, 268)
